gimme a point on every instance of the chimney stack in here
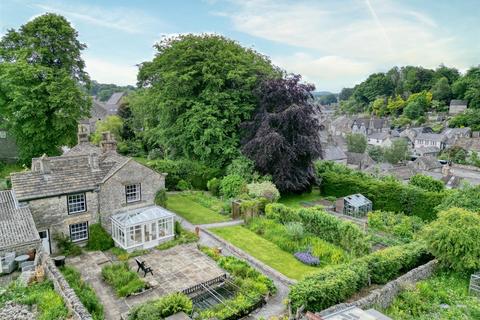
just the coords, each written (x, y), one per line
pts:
(82, 133)
(108, 142)
(93, 161)
(43, 165)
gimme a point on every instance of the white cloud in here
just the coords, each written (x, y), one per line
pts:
(117, 18)
(353, 39)
(110, 72)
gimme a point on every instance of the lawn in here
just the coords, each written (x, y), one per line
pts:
(265, 251)
(443, 296)
(192, 211)
(295, 200)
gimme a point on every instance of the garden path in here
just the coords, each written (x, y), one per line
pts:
(275, 305)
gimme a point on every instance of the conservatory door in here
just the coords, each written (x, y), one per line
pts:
(150, 231)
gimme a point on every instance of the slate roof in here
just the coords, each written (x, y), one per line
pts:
(431, 137)
(98, 111)
(426, 150)
(83, 148)
(115, 98)
(378, 135)
(16, 223)
(333, 153)
(428, 162)
(458, 102)
(359, 159)
(68, 174)
(376, 123)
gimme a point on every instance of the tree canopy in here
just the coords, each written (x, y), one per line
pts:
(195, 94)
(356, 142)
(41, 74)
(282, 138)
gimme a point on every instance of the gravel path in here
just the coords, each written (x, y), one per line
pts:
(275, 305)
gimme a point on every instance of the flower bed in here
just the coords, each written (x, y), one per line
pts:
(122, 279)
(307, 258)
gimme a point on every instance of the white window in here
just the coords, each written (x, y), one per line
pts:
(76, 203)
(3, 134)
(79, 231)
(133, 192)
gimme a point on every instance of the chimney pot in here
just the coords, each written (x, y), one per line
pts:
(82, 133)
(108, 142)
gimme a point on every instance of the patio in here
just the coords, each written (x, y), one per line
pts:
(174, 270)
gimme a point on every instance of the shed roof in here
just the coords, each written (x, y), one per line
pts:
(141, 215)
(431, 137)
(16, 223)
(458, 102)
(357, 200)
(333, 153)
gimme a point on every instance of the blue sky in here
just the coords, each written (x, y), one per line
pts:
(331, 43)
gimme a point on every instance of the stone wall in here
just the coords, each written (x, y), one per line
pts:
(76, 308)
(384, 296)
(21, 249)
(112, 192)
(52, 214)
(256, 263)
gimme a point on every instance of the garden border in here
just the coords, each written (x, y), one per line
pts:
(255, 262)
(384, 296)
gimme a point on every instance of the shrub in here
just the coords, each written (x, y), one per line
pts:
(385, 265)
(124, 281)
(213, 185)
(84, 292)
(426, 183)
(98, 238)
(232, 185)
(243, 167)
(195, 173)
(161, 198)
(295, 230)
(329, 286)
(399, 225)
(454, 239)
(281, 213)
(183, 185)
(162, 308)
(66, 246)
(265, 189)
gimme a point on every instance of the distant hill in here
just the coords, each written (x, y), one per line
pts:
(322, 93)
(104, 91)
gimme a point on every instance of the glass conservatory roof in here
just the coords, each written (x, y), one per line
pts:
(357, 200)
(138, 216)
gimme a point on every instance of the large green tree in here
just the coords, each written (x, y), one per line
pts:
(41, 74)
(197, 91)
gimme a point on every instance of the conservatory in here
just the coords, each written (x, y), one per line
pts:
(142, 228)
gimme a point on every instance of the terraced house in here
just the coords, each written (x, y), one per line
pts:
(90, 184)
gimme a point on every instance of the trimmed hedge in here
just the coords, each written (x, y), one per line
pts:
(325, 226)
(386, 194)
(329, 286)
(335, 284)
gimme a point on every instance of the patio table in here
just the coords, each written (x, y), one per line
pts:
(22, 258)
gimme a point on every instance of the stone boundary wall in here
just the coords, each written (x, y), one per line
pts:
(78, 311)
(464, 166)
(384, 296)
(256, 263)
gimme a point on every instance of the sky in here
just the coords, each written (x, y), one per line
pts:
(331, 43)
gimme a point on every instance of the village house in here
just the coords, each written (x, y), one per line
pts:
(430, 140)
(90, 184)
(359, 161)
(334, 153)
(457, 106)
(367, 126)
(455, 134)
(379, 139)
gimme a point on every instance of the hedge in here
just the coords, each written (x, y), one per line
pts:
(162, 308)
(325, 226)
(329, 286)
(337, 283)
(194, 173)
(386, 194)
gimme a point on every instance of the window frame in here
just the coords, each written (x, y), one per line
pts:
(84, 204)
(139, 192)
(87, 229)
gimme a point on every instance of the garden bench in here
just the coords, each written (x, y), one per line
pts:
(143, 267)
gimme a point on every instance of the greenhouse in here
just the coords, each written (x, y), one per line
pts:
(142, 228)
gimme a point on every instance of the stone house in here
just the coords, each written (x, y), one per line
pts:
(367, 126)
(455, 134)
(426, 164)
(457, 106)
(380, 139)
(334, 153)
(359, 161)
(430, 140)
(86, 185)
(17, 229)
